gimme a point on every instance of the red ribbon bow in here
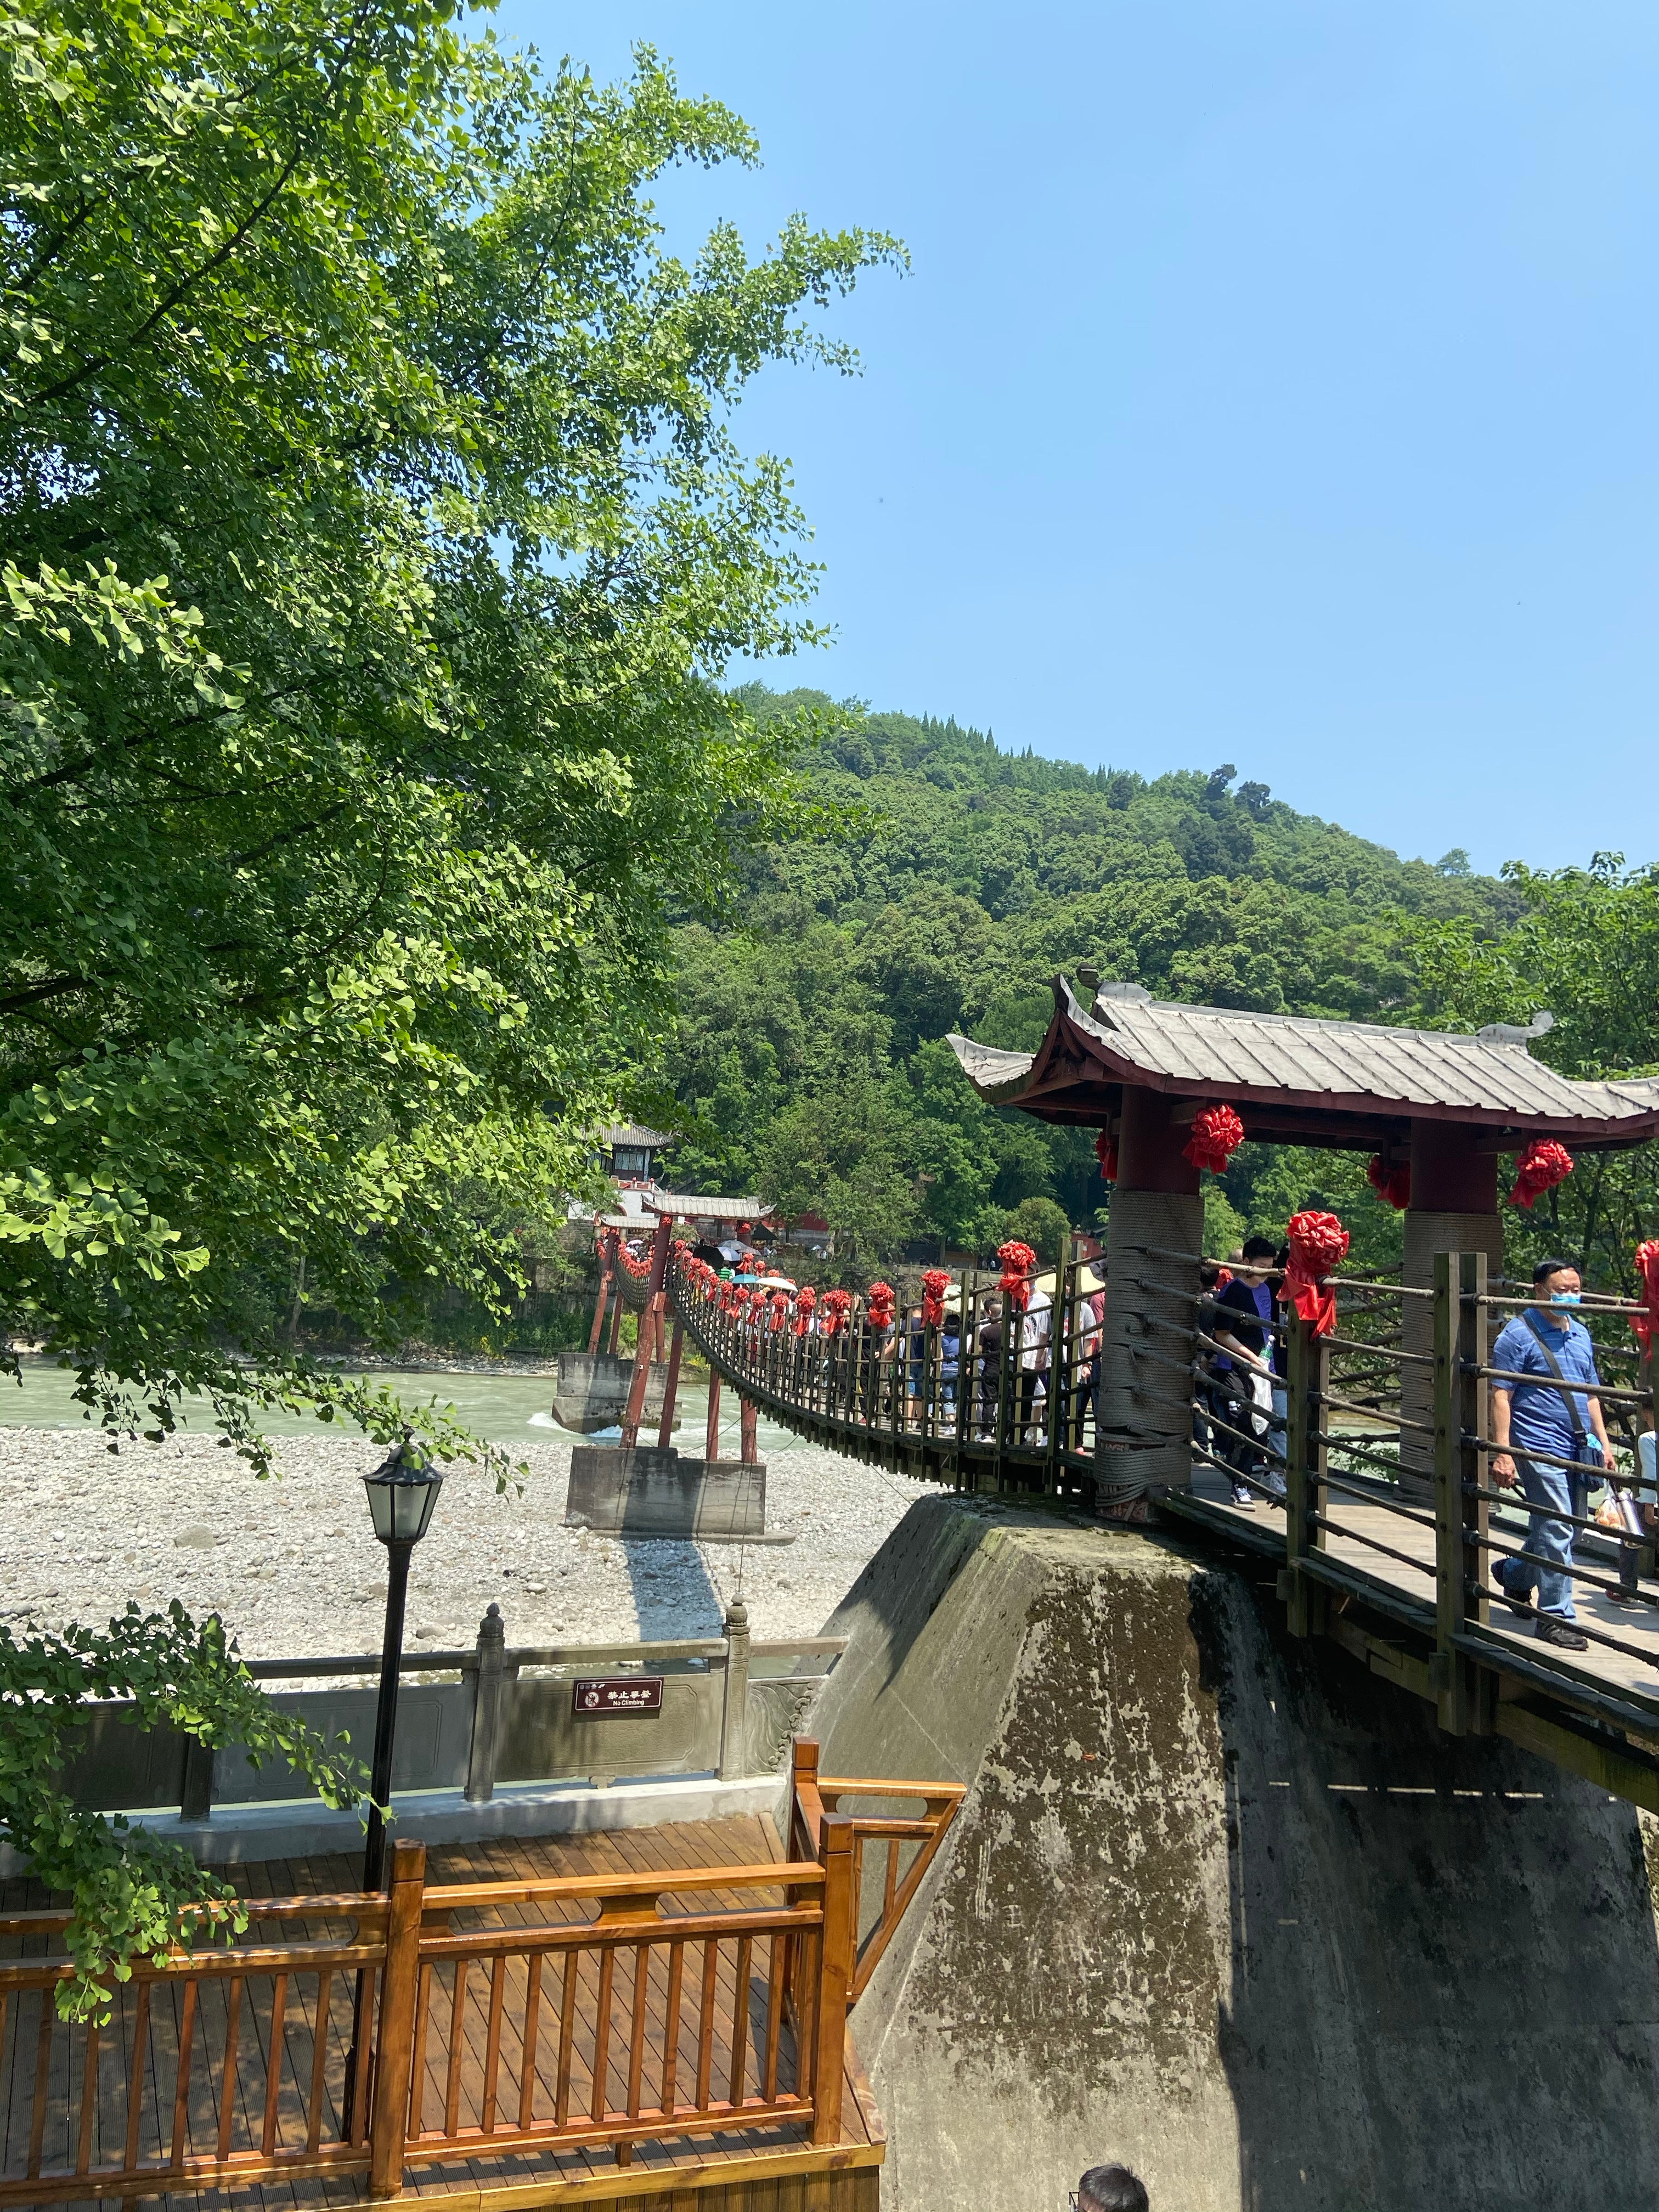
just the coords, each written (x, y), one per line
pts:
(1647, 1266)
(1218, 1133)
(934, 1283)
(1106, 1153)
(1393, 1184)
(779, 1303)
(1017, 1262)
(837, 1304)
(805, 1300)
(1543, 1165)
(1318, 1244)
(879, 1301)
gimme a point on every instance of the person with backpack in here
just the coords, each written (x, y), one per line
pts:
(1241, 1377)
(1530, 1420)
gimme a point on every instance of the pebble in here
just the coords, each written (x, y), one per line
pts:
(292, 1567)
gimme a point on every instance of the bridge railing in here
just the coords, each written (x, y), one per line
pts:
(1011, 1391)
(1374, 1437)
(1377, 1445)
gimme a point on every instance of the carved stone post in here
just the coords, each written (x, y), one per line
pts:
(734, 1704)
(1146, 1430)
(485, 1748)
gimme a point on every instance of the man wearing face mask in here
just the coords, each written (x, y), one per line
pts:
(1545, 1340)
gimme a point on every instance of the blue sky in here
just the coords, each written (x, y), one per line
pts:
(1275, 383)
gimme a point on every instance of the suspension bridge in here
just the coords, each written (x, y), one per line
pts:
(1391, 1518)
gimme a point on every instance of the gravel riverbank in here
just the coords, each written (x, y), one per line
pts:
(291, 1566)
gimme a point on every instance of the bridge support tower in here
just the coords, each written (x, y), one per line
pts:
(1155, 1230)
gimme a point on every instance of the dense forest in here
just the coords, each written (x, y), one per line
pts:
(807, 1057)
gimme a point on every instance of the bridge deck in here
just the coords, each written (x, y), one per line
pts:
(1405, 1587)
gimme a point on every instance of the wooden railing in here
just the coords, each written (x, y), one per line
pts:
(895, 1393)
(213, 2068)
(628, 2007)
(817, 1802)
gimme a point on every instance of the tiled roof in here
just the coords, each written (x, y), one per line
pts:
(694, 1208)
(1358, 1066)
(635, 1133)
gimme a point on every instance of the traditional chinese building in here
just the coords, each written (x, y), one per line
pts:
(1440, 1105)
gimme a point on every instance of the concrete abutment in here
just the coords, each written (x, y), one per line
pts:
(1224, 1905)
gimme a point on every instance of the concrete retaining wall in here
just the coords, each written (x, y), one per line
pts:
(1224, 1905)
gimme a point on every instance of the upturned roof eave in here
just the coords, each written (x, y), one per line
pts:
(1068, 1078)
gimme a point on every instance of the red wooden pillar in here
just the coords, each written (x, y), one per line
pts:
(666, 1431)
(712, 1437)
(748, 1422)
(607, 1277)
(616, 1307)
(630, 1435)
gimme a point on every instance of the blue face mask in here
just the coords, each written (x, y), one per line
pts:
(1567, 1298)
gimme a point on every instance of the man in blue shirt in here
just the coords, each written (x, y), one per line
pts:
(1537, 1418)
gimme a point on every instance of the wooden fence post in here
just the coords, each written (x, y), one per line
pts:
(1460, 1394)
(1307, 1369)
(835, 1967)
(393, 2047)
(484, 1748)
(748, 1428)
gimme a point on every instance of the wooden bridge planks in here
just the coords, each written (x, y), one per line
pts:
(1411, 1587)
(646, 1851)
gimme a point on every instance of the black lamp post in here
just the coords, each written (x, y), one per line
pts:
(401, 1496)
(401, 1493)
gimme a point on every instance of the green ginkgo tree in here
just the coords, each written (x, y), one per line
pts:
(373, 542)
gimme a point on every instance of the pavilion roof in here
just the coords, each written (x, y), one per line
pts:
(1311, 1080)
(696, 1208)
(635, 1133)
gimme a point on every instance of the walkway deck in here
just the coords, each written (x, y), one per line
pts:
(452, 2078)
(1405, 1587)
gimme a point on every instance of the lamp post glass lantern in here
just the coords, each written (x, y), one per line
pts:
(401, 1496)
(401, 1493)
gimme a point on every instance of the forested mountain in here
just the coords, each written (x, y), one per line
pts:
(808, 1043)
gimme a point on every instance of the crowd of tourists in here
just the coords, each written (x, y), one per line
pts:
(1547, 1427)
(1551, 1438)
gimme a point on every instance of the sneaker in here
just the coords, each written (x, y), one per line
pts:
(1552, 1630)
(1621, 1597)
(1521, 1604)
(1243, 1498)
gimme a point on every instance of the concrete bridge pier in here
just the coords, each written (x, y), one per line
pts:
(1145, 1421)
(1454, 1208)
(1225, 1904)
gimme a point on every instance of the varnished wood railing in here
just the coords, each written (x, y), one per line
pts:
(817, 1802)
(633, 2006)
(883, 1392)
(213, 2068)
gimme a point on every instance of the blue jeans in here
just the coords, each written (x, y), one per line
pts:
(1546, 1488)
